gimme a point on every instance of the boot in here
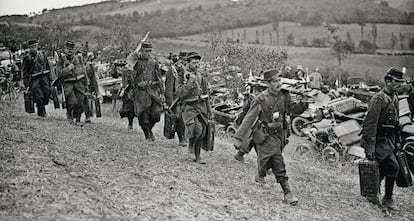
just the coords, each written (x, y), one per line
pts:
(41, 110)
(389, 204)
(78, 122)
(288, 198)
(88, 119)
(259, 179)
(239, 156)
(146, 134)
(129, 127)
(69, 118)
(151, 135)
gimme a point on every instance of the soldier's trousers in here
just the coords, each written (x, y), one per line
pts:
(88, 107)
(389, 167)
(196, 133)
(269, 156)
(148, 118)
(247, 146)
(41, 91)
(75, 102)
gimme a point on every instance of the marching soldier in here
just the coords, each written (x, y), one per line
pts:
(380, 134)
(37, 76)
(71, 73)
(193, 93)
(266, 119)
(148, 94)
(92, 86)
(127, 109)
(172, 97)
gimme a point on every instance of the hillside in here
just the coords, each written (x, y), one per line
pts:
(51, 170)
(183, 17)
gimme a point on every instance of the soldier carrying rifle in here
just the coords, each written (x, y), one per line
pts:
(71, 73)
(37, 76)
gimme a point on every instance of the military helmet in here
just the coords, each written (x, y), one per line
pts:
(193, 55)
(32, 42)
(268, 75)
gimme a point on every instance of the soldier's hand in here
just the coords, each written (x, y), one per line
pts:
(71, 66)
(370, 156)
(237, 143)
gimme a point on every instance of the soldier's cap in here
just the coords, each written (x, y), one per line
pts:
(70, 45)
(146, 45)
(395, 74)
(193, 55)
(32, 42)
(182, 54)
(268, 75)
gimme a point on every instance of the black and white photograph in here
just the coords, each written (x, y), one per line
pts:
(207, 110)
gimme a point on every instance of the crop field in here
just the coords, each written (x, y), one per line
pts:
(310, 32)
(370, 66)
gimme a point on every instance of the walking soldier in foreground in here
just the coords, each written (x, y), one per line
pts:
(380, 134)
(71, 73)
(266, 119)
(148, 94)
(193, 92)
(37, 77)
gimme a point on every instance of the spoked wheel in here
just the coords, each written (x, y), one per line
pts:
(408, 149)
(298, 123)
(330, 155)
(303, 149)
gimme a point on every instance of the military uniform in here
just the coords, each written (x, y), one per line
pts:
(71, 71)
(127, 109)
(148, 92)
(92, 88)
(37, 77)
(380, 133)
(266, 121)
(170, 96)
(193, 92)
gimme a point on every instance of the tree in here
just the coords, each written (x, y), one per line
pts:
(394, 40)
(374, 33)
(290, 39)
(361, 18)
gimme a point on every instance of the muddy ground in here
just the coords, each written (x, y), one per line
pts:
(50, 170)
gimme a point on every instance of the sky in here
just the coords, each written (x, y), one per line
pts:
(9, 7)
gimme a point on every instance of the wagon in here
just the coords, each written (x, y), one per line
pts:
(225, 115)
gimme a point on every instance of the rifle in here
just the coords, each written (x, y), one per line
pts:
(131, 61)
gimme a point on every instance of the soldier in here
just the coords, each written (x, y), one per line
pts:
(249, 144)
(37, 76)
(148, 95)
(193, 93)
(92, 85)
(315, 79)
(172, 97)
(71, 73)
(127, 109)
(266, 119)
(380, 134)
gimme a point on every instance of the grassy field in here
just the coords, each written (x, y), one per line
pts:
(50, 170)
(370, 66)
(311, 32)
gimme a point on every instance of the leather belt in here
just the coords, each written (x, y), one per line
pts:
(200, 98)
(76, 78)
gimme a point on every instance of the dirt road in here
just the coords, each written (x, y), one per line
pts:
(50, 170)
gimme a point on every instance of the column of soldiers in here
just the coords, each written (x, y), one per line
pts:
(265, 117)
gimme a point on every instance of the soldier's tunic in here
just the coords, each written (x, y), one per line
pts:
(269, 140)
(75, 84)
(195, 110)
(171, 95)
(380, 131)
(92, 86)
(148, 88)
(127, 109)
(37, 76)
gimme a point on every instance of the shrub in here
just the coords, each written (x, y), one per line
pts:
(411, 44)
(367, 47)
(318, 42)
